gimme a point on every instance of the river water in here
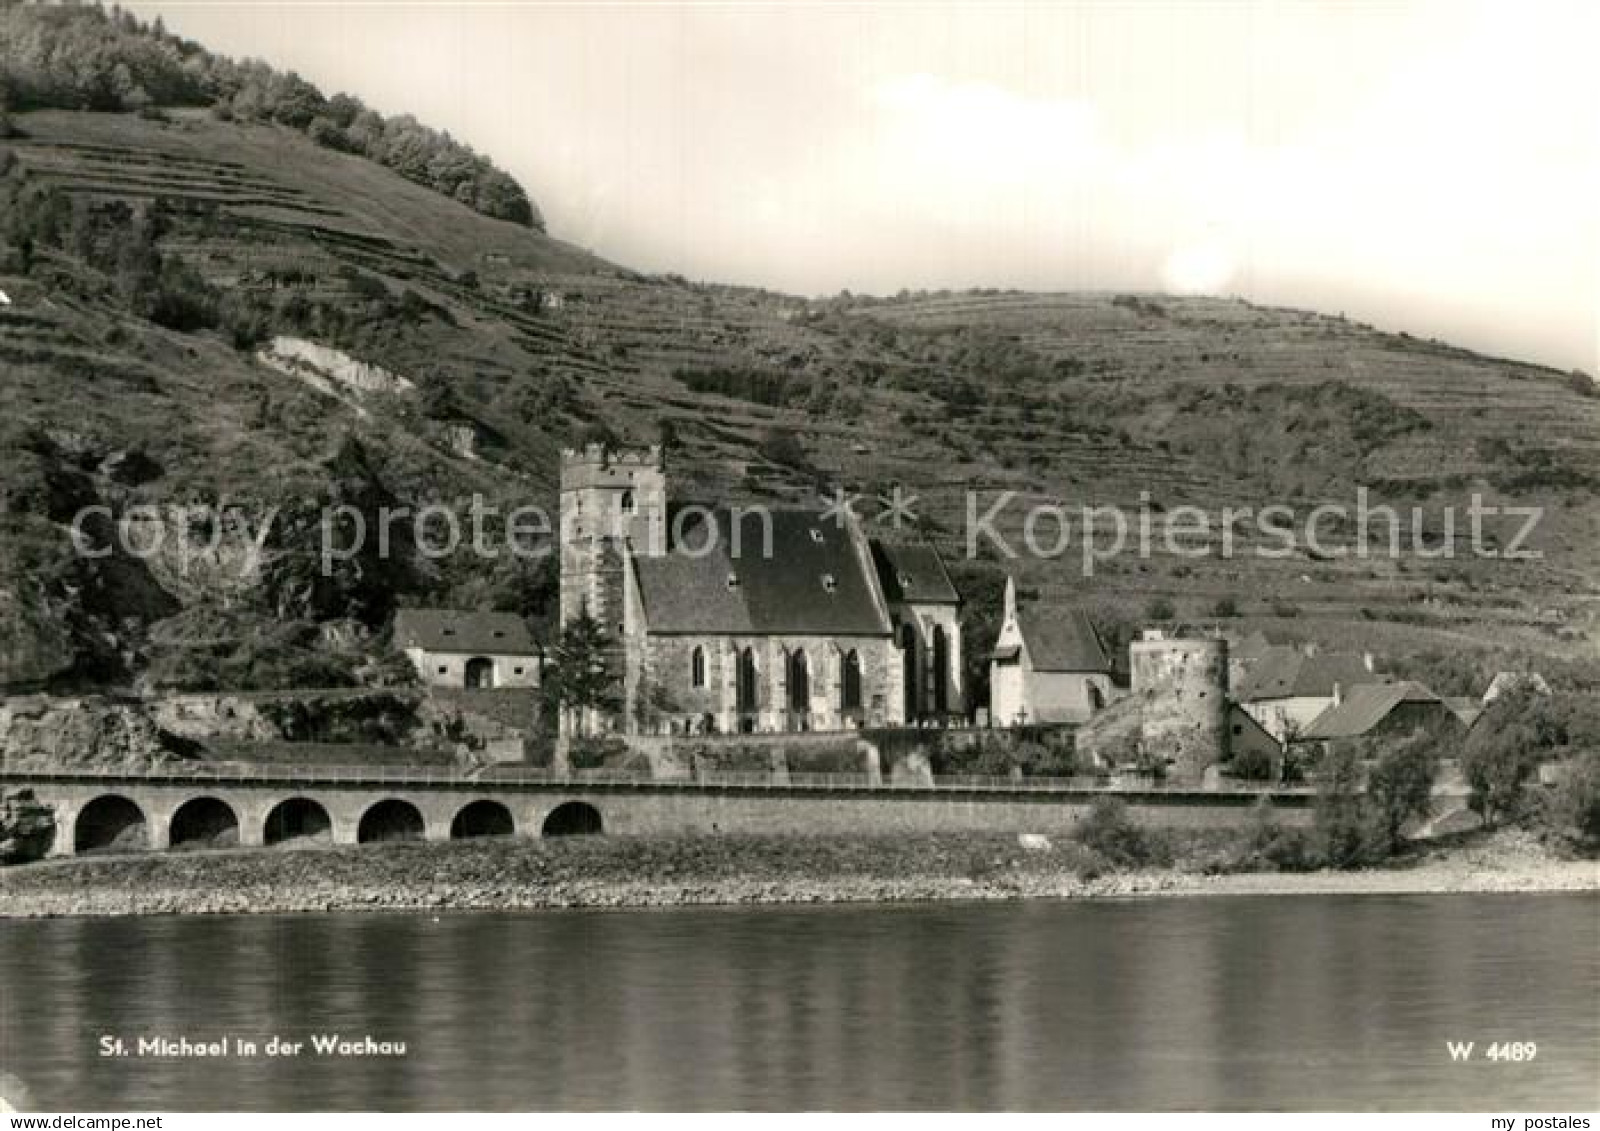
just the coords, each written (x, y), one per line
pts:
(1300, 1002)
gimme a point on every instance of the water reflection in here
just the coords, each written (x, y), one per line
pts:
(1260, 1003)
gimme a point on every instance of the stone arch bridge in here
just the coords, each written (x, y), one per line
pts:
(188, 807)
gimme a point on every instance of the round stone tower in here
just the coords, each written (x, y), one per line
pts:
(1181, 686)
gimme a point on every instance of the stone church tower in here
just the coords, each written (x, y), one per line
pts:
(613, 501)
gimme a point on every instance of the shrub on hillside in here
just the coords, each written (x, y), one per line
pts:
(251, 657)
(760, 386)
(1159, 608)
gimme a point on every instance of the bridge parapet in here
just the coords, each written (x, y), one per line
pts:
(264, 806)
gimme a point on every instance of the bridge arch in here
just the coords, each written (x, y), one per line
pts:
(298, 818)
(482, 818)
(111, 823)
(572, 818)
(203, 822)
(390, 820)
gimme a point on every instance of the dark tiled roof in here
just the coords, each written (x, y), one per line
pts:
(913, 572)
(1364, 707)
(815, 580)
(1061, 639)
(1252, 648)
(1282, 673)
(462, 630)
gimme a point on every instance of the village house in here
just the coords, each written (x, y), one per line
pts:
(1048, 666)
(457, 648)
(1285, 688)
(1248, 739)
(743, 620)
(1380, 710)
(1507, 682)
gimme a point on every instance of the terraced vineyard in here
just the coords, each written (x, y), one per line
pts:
(516, 343)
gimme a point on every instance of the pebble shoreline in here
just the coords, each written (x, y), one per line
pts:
(522, 875)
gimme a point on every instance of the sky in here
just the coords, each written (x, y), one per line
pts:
(1432, 167)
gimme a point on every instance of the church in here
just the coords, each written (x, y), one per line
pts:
(742, 620)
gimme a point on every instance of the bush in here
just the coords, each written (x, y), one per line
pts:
(1571, 810)
(1159, 608)
(1250, 765)
(597, 752)
(1050, 754)
(1225, 608)
(1268, 845)
(1110, 831)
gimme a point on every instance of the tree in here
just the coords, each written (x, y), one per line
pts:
(1516, 732)
(1344, 823)
(1400, 783)
(1497, 762)
(653, 703)
(582, 679)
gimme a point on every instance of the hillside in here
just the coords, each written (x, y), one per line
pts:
(157, 262)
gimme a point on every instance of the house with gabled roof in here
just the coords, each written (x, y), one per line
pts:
(1048, 665)
(468, 649)
(1285, 688)
(741, 620)
(1382, 710)
(1509, 682)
